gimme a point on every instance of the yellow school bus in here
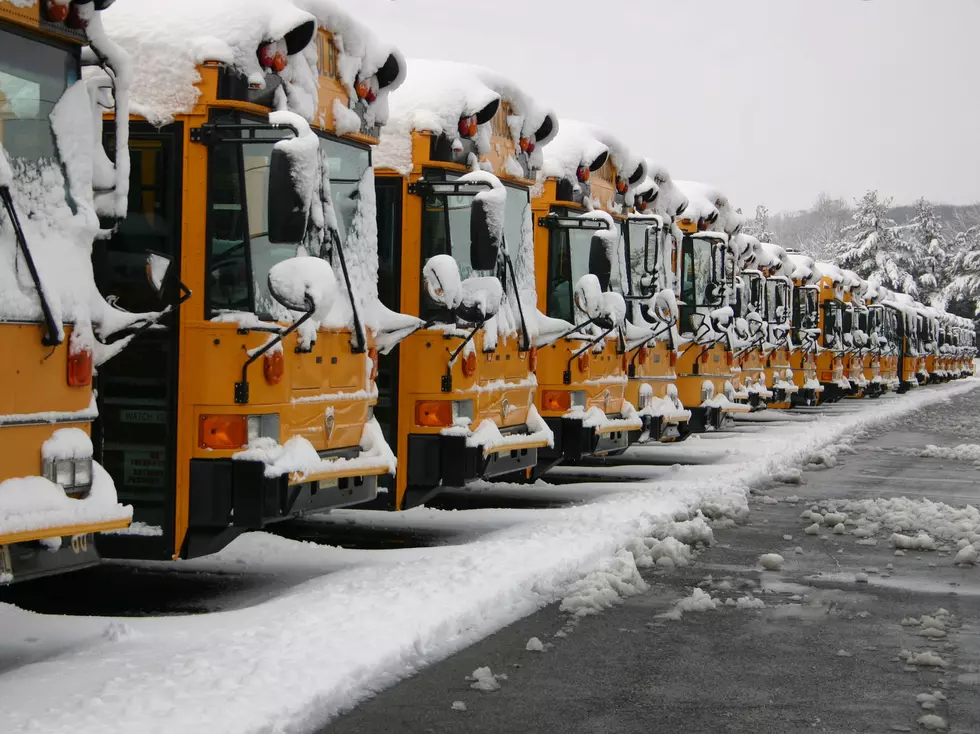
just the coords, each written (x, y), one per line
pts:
(750, 327)
(704, 267)
(855, 316)
(651, 325)
(578, 216)
(831, 351)
(806, 330)
(910, 355)
(253, 402)
(778, 346)
(454, 220)
(53, 495)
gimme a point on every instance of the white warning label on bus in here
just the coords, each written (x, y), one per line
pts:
(143, 468)
(142, 416)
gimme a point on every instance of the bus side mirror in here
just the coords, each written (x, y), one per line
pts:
(480, 301)
(305, 284)
(484, 244)
(157, 269)
(588, 296)
(614, 310)
(287, 211)
(442, 281)
(600, 263)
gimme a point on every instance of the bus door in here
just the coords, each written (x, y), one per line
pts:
(389, 206)
(136, 432)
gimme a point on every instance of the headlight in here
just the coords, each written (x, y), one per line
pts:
(462, 409)
(263, 426)
(83, 472)
(64, 472)
(646, 397)
(578, 398)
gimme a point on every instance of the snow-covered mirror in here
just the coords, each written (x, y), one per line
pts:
(442, 281)
(480, 300)
(304, 284)
(588, 296)
(614, 310)
(288, 210)
(484, 236)
(157, 267)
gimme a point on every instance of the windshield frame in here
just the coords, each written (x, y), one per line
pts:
(14, 36)
(835, 308)
(246, 198)
(556, 254)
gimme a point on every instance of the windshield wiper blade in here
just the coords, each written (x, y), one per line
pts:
(54, 337)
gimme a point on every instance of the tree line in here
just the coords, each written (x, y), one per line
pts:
(931, 252)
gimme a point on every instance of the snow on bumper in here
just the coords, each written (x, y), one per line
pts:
(298, 459)
(32, 508)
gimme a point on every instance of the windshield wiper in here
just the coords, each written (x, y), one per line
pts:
(54, 337)
(525, 336)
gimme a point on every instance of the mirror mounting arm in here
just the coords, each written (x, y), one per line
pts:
(241, 388)
(567, 376)
(447, 379)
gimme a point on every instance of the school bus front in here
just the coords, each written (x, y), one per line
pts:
(53, 495)
(253, 403)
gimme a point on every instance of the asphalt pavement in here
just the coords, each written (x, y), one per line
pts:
(822, 655)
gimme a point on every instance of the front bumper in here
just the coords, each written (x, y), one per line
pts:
(439, 460)
(24, 561)
(575, 441)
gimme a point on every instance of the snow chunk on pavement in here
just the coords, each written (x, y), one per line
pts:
(458, 706)
(534, 645)
(750, 602)
(789, 476)
(931, 722)
(906, 542)
(966, 556)
(698, 601)
(928, 659)
(602, 588)
(813, 529)
(484, 680)
(771, 561)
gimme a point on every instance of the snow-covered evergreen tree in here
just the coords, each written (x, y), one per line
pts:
(872, 247)
(965, 269)
(929, 248)
(759, 226)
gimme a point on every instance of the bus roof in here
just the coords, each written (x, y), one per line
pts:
(171, 39)
(438, 95)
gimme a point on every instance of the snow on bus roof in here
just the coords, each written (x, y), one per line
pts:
(436, 95)
(709, 203)
(668, 199)
(579, 143)
(803, 266)
(829, 270)
(169, 40)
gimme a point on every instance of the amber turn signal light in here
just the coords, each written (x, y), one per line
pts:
(273, 366)
(222, 432)
(556, 400)
(584, 360)
(80, 368)
(469, 364)
(434, 413)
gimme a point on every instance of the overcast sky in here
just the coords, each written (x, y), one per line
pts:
(774, 101)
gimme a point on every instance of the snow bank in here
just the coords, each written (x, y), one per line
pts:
(340, 645)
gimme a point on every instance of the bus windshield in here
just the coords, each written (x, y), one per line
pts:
(33, 76)
(642, 259)
(703, 264)
(573, 253)
(833, 330)
(446, 230)
(240, 253)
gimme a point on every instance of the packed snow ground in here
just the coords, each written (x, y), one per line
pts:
(372, 617)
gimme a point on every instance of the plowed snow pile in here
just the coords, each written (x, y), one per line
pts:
(361, 620)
